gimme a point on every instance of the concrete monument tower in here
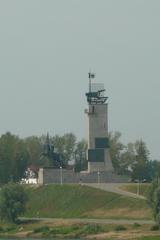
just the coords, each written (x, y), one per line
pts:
(98, 142)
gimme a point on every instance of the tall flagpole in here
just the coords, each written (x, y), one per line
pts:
(89, 75)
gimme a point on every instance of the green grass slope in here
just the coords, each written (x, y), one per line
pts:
(133, 187)
(75, 201)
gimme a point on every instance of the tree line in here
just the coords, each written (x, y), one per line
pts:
(133, 159)
(16, 154)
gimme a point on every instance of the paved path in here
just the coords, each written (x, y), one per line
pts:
(91, 220)
(115, 188)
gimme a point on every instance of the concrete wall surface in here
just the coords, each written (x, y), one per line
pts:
(58, 176)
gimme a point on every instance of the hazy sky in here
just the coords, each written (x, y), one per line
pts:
(46, 50)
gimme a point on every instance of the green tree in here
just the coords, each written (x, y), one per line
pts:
(80, 156)
(34, 148)
(140, 166)
(154, 169)
(70, 145)
(13, 200)
(13, 158)
(127, 158)
(65, 145)
(153, 199)
(132, 159)
(116, 149)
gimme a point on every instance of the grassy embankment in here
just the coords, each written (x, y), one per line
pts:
(75, 201)
(134, 187)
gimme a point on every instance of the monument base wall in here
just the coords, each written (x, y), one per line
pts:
(58, 176)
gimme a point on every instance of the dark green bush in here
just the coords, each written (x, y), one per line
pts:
(42, 229)
(120, 228)
(155, 227)
(136, 225)
(64, 230)
(93, 229)
(77, 229)
(13, 199)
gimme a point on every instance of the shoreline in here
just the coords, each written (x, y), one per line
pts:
(65, 229)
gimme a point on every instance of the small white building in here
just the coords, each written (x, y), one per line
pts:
(29, 181)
